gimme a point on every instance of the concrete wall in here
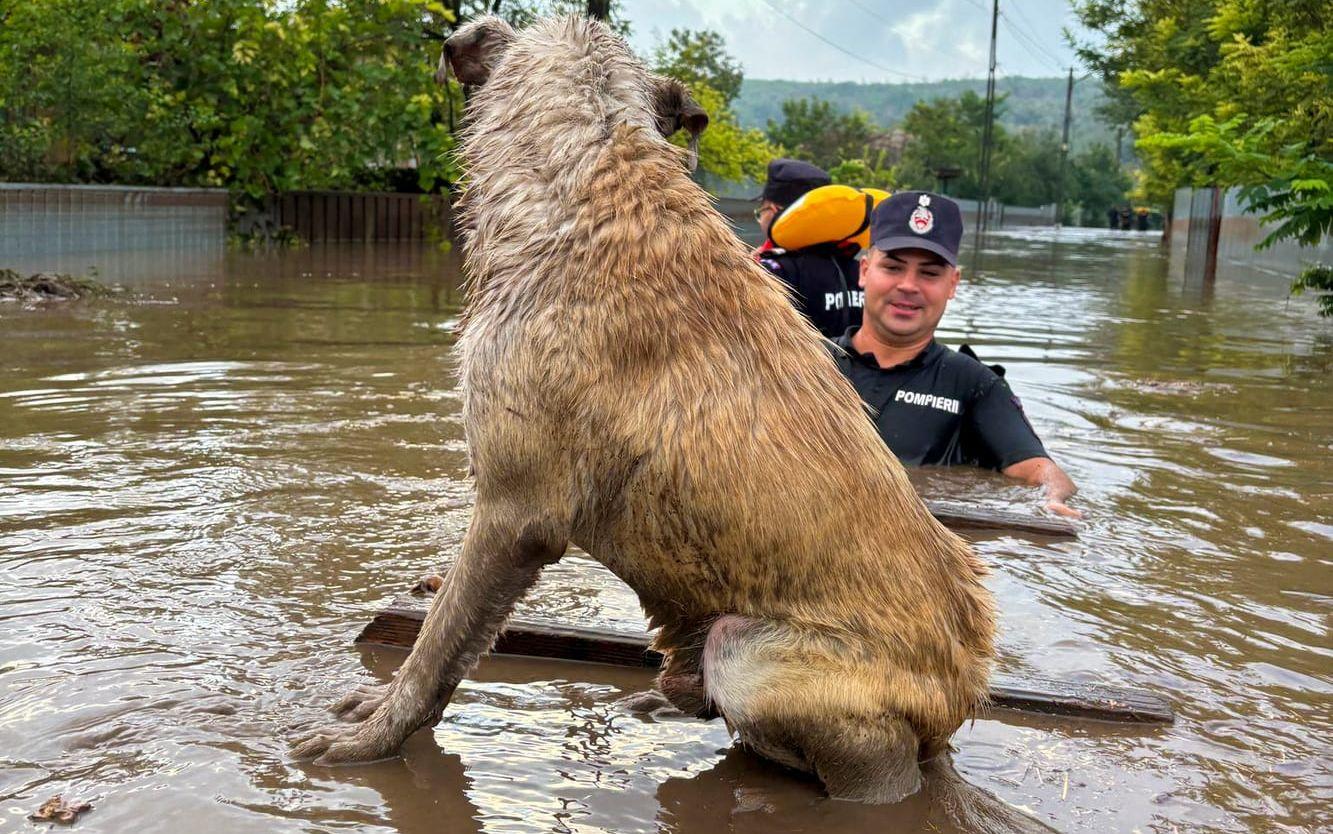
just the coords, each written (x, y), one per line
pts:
(1238, 232)
(1002, 216)
(1026, 216)
(51, 227)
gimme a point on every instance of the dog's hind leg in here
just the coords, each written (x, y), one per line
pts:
(871, 761)
(764, 678)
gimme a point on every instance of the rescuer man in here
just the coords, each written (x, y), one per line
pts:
(933, 405)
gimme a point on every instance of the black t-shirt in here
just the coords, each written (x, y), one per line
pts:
(823, 281)
(941, 408)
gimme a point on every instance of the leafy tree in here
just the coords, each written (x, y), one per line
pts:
(861, 173)
(946, 133)
(811, 129)
(726, 150)
(699, 57)
(252, 95)
(521, 13)
(1025, 164)
(1263, 68)
(1320, 279)
(1292, 184)
(1228, 93)
(62, 88)
(1026, 169)
(1095, 183)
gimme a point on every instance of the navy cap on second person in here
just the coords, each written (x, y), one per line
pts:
(788, 179)
(918, 220)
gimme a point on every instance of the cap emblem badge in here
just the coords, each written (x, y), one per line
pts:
(922, 219)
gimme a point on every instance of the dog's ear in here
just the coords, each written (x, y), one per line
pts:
(472, 52)
(674, 108)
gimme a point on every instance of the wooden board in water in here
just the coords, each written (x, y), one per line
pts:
(399, 624)
(959, 519)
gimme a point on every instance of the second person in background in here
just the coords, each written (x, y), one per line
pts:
(823, 277)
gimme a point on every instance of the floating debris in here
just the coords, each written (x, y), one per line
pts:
(56, 809)
(49, 286)
(1186, 387)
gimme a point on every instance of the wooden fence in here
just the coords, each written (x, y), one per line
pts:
(320, 216)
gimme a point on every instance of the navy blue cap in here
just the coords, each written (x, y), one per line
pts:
(788, 179)
(918, 220)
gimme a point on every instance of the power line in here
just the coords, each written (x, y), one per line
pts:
(1034, 51)
(1029, 31)
(1018, 7)
(881, 18)
(1031, 28)
(775, 7)
(1031, 42)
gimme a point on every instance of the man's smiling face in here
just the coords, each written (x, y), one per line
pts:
(906, 293)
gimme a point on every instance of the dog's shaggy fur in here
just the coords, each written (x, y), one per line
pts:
(636, 385)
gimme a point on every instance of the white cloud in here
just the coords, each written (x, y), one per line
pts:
(920, 38)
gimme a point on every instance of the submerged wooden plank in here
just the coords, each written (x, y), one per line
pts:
(958, 518)
(1081, 700)
(398, 625)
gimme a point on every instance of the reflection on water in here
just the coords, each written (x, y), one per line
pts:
(204, 493)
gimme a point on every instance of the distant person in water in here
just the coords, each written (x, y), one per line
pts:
(932, 405)
(822, 278)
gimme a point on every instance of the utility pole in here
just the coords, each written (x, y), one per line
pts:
(988, 130)
(1064, 152)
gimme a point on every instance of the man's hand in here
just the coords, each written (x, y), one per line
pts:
(1061, 508)
(1043, 472)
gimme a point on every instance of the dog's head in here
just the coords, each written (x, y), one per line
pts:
(674, 109)
(475, 55)
(472, 52)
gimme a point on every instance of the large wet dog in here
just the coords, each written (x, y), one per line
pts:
(636, 385)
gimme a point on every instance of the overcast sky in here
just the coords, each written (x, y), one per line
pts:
(888, 40)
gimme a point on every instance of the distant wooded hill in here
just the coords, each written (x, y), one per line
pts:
(1032, 102)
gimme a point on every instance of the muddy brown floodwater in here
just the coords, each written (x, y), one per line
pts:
(205, 492)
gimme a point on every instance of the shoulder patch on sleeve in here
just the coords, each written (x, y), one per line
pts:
(1018, 404)
(966, 350)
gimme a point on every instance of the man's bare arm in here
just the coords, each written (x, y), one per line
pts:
(1044, 472)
